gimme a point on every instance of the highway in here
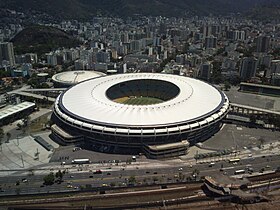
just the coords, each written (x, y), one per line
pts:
(119, 176)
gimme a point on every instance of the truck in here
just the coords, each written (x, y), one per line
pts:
(235, 160)
(239, 172)
(80, 161)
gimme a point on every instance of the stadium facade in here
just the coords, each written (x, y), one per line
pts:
(158, 114)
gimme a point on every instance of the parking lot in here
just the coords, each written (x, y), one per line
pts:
(233, 136)
(254, 100)
(67, 154)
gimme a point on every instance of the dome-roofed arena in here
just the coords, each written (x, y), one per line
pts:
(70, 78)
(158, 114)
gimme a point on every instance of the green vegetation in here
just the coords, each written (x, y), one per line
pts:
(24, 126)
(42, 39)
(8, 134)
(195, 173)
(216, 76)
(227, 86)
(4, 73)
(212, 154)
(275, 120)
(1, 137)
(39, 124)
(253, 118)
(85, 9)
(265, 12)
(35, 83)
(132, 180)
(49, 179)
(59, 175)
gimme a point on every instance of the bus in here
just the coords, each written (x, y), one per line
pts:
(239, 172)
(80, 161)
(235, 160)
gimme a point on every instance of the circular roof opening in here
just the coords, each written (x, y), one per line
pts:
(142, 92)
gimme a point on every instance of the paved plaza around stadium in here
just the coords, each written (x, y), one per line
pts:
(24, 153)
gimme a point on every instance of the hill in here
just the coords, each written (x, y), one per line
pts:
(84, 9)
(266, 12)
(42, 39)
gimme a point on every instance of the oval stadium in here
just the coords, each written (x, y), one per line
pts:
(159, 115)
(70, 78)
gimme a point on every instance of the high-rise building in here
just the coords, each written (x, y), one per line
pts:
(103, 57)
(51, 59)
(216, 30)
(248, 68)
(150, 51)
(263, 43)
(7, 53)
(265, 60)
(275, 66)
(207, 30)
(210, 42)
(135, 46)
(31, 58)
(205, 71)
(236, 35)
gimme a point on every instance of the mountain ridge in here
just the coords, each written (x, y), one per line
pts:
(84, 9)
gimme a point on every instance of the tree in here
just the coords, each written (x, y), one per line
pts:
(181, 176)
(49, 179)
(8, 134)
(24, 127)
(261, 140)
(59, 175)
(31, 172)
(155, 179)
(195, 173)
(17, 191)
(1, 137)
(220, 51)
(253, 118)
(227, 86)
(216, 76)
(131, 179)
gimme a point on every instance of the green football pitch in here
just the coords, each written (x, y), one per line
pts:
(142, 101)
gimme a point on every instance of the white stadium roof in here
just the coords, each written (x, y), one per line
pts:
(88, 102)
(74, 77)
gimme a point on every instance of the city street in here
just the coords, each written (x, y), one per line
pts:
(81, 176)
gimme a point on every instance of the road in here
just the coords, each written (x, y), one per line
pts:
(119, 176)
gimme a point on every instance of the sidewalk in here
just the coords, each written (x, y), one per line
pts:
(21, 154)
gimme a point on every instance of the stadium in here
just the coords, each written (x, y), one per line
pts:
(70, 78)
(159, 115)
